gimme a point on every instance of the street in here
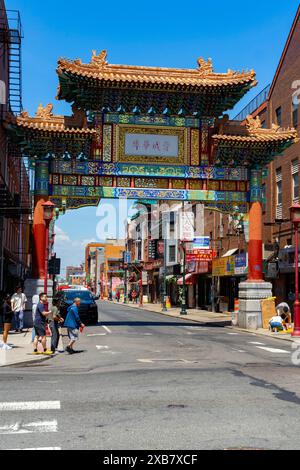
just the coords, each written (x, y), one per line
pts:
(146, 381)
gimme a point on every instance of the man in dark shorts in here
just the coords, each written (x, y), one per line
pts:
(40, 324)
(7, 315)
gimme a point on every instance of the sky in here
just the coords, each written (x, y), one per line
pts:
(235, 34)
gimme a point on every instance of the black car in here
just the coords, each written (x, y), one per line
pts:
(88, 310)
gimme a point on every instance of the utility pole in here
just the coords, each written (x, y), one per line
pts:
(183, 298)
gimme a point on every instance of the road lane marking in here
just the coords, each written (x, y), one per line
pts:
(29, 405)
(146, 361)
(107, 329)
(195, 328)
(232, 333)
(97, 334)
(238, 350)
(34, 427)
(256, 343)
(98, 346)
(274, 350)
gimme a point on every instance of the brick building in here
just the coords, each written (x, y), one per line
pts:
(100, 265)
(276, 105)
(15, 204)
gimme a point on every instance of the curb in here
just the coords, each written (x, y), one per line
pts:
(27, 363)
(260, 333)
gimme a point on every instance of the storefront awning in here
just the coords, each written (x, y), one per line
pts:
(189, 279)
(230, 252)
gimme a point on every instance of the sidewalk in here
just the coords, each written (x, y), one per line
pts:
(22, 350)
(204, 316)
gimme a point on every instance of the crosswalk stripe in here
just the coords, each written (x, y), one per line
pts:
(101, 346)
(29, 405)
(256, 343)
(97, 334)
(107, 329)
(26, 428)
(274, 350)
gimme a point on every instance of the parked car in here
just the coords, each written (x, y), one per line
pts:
(88, 310)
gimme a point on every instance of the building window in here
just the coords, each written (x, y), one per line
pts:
(278, 116)
(278, 193)
(294, 114)
(172, 253)
(295, 180)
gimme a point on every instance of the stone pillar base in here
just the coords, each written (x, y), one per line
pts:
(36, 286)
(250, 295)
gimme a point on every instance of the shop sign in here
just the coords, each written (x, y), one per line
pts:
(272, 271)
(149, 266)
(201, 255)
(240, 264)
(223, 266)
(160, 247)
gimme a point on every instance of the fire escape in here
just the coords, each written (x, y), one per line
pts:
(13, 200)
(11, 35)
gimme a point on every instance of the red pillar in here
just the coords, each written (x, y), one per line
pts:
(255, 260)
(39, 238)
(41, 195)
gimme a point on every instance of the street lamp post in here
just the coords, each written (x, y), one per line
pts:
(48, 215)
(295, 219)
(141, 285)
(164, 293)
(183, 298)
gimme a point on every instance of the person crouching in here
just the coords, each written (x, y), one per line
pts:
(73, 323)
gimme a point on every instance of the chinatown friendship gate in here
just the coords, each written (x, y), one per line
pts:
(151, 133)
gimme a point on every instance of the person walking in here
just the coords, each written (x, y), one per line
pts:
(18, 302)
(54, 319)
(134, 296)
(35, 301)
(73, 323)
(7, 315)
(118, 295)
(40, 321)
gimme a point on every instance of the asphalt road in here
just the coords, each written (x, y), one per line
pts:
(145, 381)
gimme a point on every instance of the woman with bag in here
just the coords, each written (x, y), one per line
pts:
(7, 320)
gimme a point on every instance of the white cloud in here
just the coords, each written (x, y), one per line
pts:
(60, 235)
(71, 251)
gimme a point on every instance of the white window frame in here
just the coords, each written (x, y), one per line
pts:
(295, 171)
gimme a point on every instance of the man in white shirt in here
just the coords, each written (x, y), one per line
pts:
(18, 302)
(276, 323)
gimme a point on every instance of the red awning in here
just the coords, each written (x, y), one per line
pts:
(189, 279)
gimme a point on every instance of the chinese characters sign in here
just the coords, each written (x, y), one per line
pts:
(151, 145)
(201, 255)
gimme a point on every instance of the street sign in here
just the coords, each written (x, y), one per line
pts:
(186, 226)
(127, 257)
(201, 242)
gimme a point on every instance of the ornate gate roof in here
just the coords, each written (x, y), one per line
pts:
(200, 90)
